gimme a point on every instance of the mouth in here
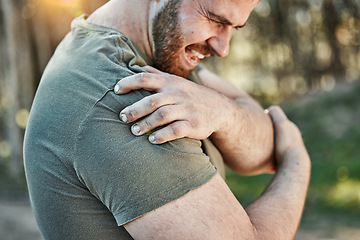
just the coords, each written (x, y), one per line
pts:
(197, 54)
(194, 56)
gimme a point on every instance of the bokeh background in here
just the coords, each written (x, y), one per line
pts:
(301, 54)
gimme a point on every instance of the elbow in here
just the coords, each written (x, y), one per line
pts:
(249, 167)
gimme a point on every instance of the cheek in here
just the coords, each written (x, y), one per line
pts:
(195, 28)
(197, 33)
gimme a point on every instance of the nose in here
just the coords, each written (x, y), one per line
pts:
(220, 42)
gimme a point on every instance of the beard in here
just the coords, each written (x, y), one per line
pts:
(168, 40)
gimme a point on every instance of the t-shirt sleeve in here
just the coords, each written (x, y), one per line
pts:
(128, 174)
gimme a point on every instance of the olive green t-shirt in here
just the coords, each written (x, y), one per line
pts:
(87, 173)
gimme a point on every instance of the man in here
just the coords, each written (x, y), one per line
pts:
(147, 176)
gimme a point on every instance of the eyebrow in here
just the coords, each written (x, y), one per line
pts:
(223, 20)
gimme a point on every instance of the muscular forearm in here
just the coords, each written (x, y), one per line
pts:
(278, 211)
(246, 137)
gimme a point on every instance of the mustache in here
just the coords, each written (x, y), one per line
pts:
(203, 49)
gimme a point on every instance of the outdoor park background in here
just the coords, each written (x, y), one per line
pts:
(301, 54)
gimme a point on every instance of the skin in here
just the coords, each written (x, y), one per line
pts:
(239, 127)
(212, 211)
(222, 111)
(198, 112)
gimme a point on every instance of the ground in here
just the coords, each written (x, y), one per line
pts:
(17, 221)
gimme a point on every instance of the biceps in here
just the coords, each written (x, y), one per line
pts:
(209, 212)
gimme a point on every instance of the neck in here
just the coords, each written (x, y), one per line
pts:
(129, 17)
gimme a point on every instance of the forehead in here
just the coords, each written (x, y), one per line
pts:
(235, 11)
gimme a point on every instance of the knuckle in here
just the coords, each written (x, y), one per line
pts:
(153, 102)
(132, 114)
(148, 124)
(184, 95)
(143, 78)
(175, 129)
(162, 114)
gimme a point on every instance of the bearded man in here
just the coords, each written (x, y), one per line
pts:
(128, 135)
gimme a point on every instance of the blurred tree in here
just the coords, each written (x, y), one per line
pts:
(290, 47)
(332, 21)
(17, 76)
(29, 33)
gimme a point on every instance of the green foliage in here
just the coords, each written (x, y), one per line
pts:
(247, 188)
(331, 131)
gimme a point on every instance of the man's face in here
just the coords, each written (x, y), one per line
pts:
(185, 32)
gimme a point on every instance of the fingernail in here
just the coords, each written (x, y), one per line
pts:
(116, 88)
(136, 129)
(123, 117)
(152, 138)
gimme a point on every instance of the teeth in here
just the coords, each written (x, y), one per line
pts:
(197, 54)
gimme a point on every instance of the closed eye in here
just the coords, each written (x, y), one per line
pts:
(212, 17)
(218, 19)
(239, 27)
(217, 22)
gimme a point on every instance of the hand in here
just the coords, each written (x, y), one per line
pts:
(180, 107)
(288, 139)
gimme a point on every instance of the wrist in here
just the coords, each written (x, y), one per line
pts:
(226, 116)
(295, 158)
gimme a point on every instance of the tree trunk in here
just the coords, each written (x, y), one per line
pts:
(16, 77)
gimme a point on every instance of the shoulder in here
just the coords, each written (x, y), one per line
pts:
(128, 174)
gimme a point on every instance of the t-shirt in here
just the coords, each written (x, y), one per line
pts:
(87, 173)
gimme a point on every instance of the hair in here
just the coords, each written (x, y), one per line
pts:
(166, 28)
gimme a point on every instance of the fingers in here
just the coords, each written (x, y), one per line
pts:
(277, 114)
(166, 108)
(284, 128)
(287, 135)
(281, 123)
(147, 81)
(175, 130)
(145, 106)
(161, 117)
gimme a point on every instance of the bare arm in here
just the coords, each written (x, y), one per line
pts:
(212, 212)
(285, 196)
(236, 123)
(246, 141)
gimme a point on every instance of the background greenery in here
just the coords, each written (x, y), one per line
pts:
(331, 132)
(302, 54)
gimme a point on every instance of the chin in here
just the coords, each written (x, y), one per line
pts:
(181, 68)
(175, 64)
(181, 72)
(175, 68)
